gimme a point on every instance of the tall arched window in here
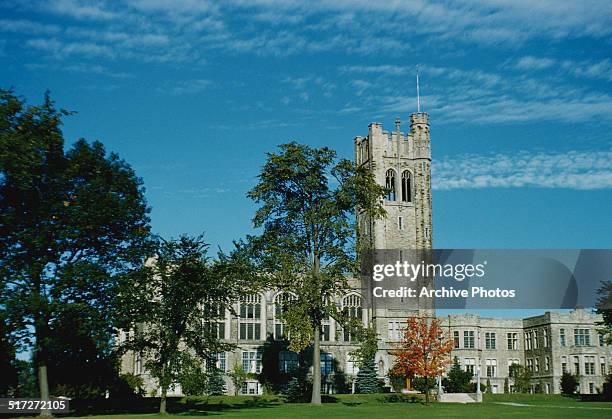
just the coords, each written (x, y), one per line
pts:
(390, 184)
(281, 302)
(351, 306)
(406, 186)
(250, 317)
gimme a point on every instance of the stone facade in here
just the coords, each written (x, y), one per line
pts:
(402, 163)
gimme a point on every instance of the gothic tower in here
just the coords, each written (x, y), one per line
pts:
(402, 163)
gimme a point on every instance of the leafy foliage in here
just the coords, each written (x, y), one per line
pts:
(521, 378)
(568, 383)
(423, 350)
(182, 294)
(72, 224)
(8, 364)
(423, 385)
(604, 302)
(238, 375)
(607, 388)
(77, 344)
(458, 380)
(308, 245)
(368, 346)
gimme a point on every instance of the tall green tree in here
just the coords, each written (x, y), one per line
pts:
(308, 199)
(182, 294)
(521, 378)
(71, 224)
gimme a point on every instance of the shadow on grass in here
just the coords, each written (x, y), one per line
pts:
(183, 406)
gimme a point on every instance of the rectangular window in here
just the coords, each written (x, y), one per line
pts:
(576, 365)
(547, 363)
(400, 223)
(250, 331)
(491, 367)
(537, 364)
(530, 364)
(351, 366)
(468, 339)
(535, 339)
(470, 364)
(325, 333)
(591, 388)
(490, 340)
(138, 363)
(512, 341)
(287, 362)
(456, 339)
(545, 337)
(251, 361)
(395, 330)
(602, 365)
(589, 365)
(216, 329)
(582, 337)
(327, 363)
(527, 340)
(512, 361)
(562, 337)
(602, 341)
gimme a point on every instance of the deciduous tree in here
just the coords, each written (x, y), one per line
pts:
(308, 246)
(183, 294)
(423, 350)
(71, 225)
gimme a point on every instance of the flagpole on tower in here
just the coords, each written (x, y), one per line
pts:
(417, 86)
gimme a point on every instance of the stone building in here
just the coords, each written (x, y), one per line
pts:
(548, 344)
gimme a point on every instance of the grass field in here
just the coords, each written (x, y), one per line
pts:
(382, 406)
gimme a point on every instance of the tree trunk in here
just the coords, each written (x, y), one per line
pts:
(41, 359)
(316, 369)
(164, 391)
(162, 401)
(427, 390)
(43, 386)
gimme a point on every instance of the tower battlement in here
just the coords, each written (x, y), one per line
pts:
(419, 118)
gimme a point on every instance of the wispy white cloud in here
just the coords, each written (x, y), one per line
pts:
(185, 87)
(27, 27)
(534, 63)
(572, 170)
(61, 49)
(289, 27)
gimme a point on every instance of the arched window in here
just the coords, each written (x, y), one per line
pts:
(390, 184)
(250, 317)
(351, 307)
(281, 302)
(406, 186)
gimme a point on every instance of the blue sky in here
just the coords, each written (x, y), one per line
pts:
(194, 93)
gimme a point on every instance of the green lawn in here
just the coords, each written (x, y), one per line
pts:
(380, 406)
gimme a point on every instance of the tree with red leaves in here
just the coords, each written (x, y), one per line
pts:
(423, 350)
